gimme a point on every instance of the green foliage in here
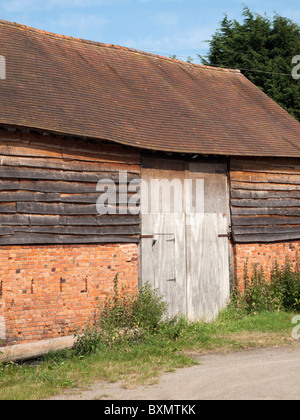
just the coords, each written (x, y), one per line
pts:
(123, 318)
(281, 292)
(127, 320)
(149, 310)
(265, 45)
(286, 284)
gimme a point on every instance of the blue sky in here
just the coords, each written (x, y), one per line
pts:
(165, 27)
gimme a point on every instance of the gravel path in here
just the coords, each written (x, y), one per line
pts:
(260, 374)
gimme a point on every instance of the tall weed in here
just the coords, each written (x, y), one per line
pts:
(123, 318)
(280, 292)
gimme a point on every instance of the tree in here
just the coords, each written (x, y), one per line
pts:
(263, 49)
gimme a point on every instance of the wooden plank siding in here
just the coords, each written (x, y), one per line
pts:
(265, 199)
(48, 190)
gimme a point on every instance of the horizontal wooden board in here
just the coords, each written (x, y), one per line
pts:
(250, 194)
(21, 238)
(265, 177)
(279, 166)
(242, 211)
(58, 175)
(68, 187)
(263, 186)
(266, 203)
(264, 220)
(8, 208)
(101, 154)
(6, 230)
(273, 229)
(103, 220)
(73, 230)
(19, 148)
(9, 184)
(67, 165)
(266, 237)
(54, 208)
(62, 208)
(40, 146)
(52, 220)
(86, 239)
(29, 196)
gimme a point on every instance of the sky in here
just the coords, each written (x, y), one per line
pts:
(165, 27)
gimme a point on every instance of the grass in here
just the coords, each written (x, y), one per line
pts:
(167, 350)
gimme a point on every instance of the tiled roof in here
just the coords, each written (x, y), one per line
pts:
(82, 88)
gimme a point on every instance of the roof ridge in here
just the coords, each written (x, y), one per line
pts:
(113, 46)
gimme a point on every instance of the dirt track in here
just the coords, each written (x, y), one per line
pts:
(264, 374)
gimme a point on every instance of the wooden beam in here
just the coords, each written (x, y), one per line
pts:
(60, 175)
(250, 194)
(40, 197)
(54, 220)
(251, 230)
(266, 237)
(240, 185)
(23, 238)
(271, 165)
(68, 164)
(264, 220)
(266, 203)
(240, 211)
(35, 350)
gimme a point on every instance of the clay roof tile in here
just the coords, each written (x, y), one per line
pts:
(102, 91)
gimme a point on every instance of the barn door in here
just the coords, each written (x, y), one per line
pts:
(164, 256)
(186, 254)
(207, 265)
(163, 259)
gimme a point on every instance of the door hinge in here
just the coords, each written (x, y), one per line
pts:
(225, 235)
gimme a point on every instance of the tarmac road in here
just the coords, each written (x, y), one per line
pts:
(260, 374)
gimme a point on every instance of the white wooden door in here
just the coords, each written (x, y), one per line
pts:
(207, 265)
(186, 255)
(163, 260)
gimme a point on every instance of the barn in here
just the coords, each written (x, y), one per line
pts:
(95, 140)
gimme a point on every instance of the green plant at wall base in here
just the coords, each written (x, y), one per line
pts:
(280, 292)
(123, 318)
(149, 310)
(286, 282)
(127, 319)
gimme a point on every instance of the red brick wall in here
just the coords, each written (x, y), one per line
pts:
(49, 291)
(263, 254)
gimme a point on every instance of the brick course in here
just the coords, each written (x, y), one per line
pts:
(50, 291)
(264, 254)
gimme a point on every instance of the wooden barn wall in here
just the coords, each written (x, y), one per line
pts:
(265, 199)
(48, 190)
